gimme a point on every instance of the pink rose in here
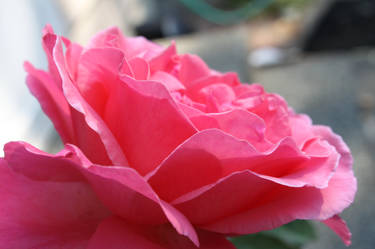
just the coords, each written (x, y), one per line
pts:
(163, 152)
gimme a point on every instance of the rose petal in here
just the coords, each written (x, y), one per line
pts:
(343, 185)
(169, 81)
(41, 166)
(231, 79)
(239, 123)
(98, 71)
(140, 68)
(114, 233)
(192, 68)
(269, 206)
(163, 61)
(110, 37)
(244, 202)
(128, 195)
(301, 128)
(73, 55)
(217, 97)
(324, 160)
(48, 43)
(339, 226)
(93, 136)
(273, 109)
(166, 125)
(212, 154)
(248, 90)
(141, 47)
(52, 101)
(130, 46)
(44, 213)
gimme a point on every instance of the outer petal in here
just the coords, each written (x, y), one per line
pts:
(247, 203)
(342, 187)
(114, 233)
(339, 226)
(212, 154)
(301, 128)
(98, 71)
(291, 203)
(129, 105)
(73, 55)
(92, 135)
(49, 41)
(40, 165)
(128, 195)
(44, 213)
(52, 101)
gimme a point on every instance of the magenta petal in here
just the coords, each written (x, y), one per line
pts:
(239, 123)
(218, 97)
(40, 165)
(248, 90)
(192, 69)
(212, 154)
(166, 125)
(110, 37)
(230, 79)
(114, 233)
(132, 47)
(98, 71)
(93, 136)
(339, 226)
(163, 61)
(141, 47)
(43, 213)
(128, 195)
(73, 54)
(49, 42)
(301, 128)
(318, 171)
(343, 185)
(252, 204)
(168, 80)
(52, 101)
(140, 68)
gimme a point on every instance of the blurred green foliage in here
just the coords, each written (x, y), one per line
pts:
(225, 4)
(290, 236)
(278, 6)
(228, 12)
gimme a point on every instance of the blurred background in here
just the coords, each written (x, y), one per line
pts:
(318, 54)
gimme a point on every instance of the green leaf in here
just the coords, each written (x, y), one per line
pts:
(298, 232)
(259, 241)
(289, 236)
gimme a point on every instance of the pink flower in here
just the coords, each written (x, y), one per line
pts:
(163, 152)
